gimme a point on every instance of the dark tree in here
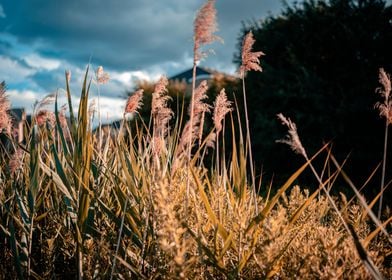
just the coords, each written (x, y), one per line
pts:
(321, 70)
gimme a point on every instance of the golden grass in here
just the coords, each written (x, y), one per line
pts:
(141, 203)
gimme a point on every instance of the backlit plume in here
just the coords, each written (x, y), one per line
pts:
(5, 119)
(134, 102)
(222, 106)
(192, 133)
(161, 113)
(292, 139)
(44, 116)
(102, 77)
(385, 107)
(204, 28)
(250, 60)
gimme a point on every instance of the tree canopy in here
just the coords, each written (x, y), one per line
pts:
(321, 70)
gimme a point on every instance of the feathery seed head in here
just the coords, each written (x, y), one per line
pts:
(5, 119)
(385, 107)
(159, 100)
(101, 76)
(292, 139)
(204, 28)
(46, 101)
(250, 60)
(385, 80)
(200, 95)
(43, 116)
(222, 106)
(159, 109)
(134, 102)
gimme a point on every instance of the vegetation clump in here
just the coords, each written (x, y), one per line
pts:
(140, 202)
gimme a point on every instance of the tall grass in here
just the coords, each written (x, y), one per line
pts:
(386, 112)
(134, 203)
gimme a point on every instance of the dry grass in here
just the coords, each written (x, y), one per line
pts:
(134, 204)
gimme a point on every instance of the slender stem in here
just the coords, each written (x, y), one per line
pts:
(217, 157)
(249, 145)
(80, 261)
(30, 246)
(366, 260)
(190, 135)
(384, 162)
(119, 239)
(99, 122)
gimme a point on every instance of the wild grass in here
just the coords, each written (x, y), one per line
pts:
(140, 203)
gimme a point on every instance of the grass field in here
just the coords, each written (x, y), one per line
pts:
(140, 202)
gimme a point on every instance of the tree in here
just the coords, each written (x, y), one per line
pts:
(321, 70)
(180, 93)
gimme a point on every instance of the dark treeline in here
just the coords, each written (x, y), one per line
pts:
(321, 70)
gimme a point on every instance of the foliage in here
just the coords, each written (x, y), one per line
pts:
(121, 212)
(130, 202)
(320, 67)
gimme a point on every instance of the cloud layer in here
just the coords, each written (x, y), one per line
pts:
(132, 39)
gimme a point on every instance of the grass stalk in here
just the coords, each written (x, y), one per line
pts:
(248, 149)
(119, 239)
(384, 162)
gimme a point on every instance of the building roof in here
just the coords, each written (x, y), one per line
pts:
(201, 73)
(17, 114)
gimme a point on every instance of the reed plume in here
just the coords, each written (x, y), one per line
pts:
(292, 139)
(250, 61)
(193, 130)
(46, 101)
(160, 111)
(41, 114)
(101, 76)
(205, 26)
(385, 110)
(161, 115)
(5, 119)
(294, 142)
(222, 106)
(134, 102)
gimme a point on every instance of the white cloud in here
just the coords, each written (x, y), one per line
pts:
(2, 13)
(39, 62)
(111, 108)
(23, 99)
(129, 78)
(12, 71)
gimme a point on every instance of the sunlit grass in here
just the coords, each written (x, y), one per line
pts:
(141, 201)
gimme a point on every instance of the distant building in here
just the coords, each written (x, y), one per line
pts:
(18, 117)
(201, 74)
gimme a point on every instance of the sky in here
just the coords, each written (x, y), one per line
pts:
(131, 39)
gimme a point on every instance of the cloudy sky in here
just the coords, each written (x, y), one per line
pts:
(131, 39)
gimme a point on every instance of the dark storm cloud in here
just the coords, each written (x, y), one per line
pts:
(123, 34)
